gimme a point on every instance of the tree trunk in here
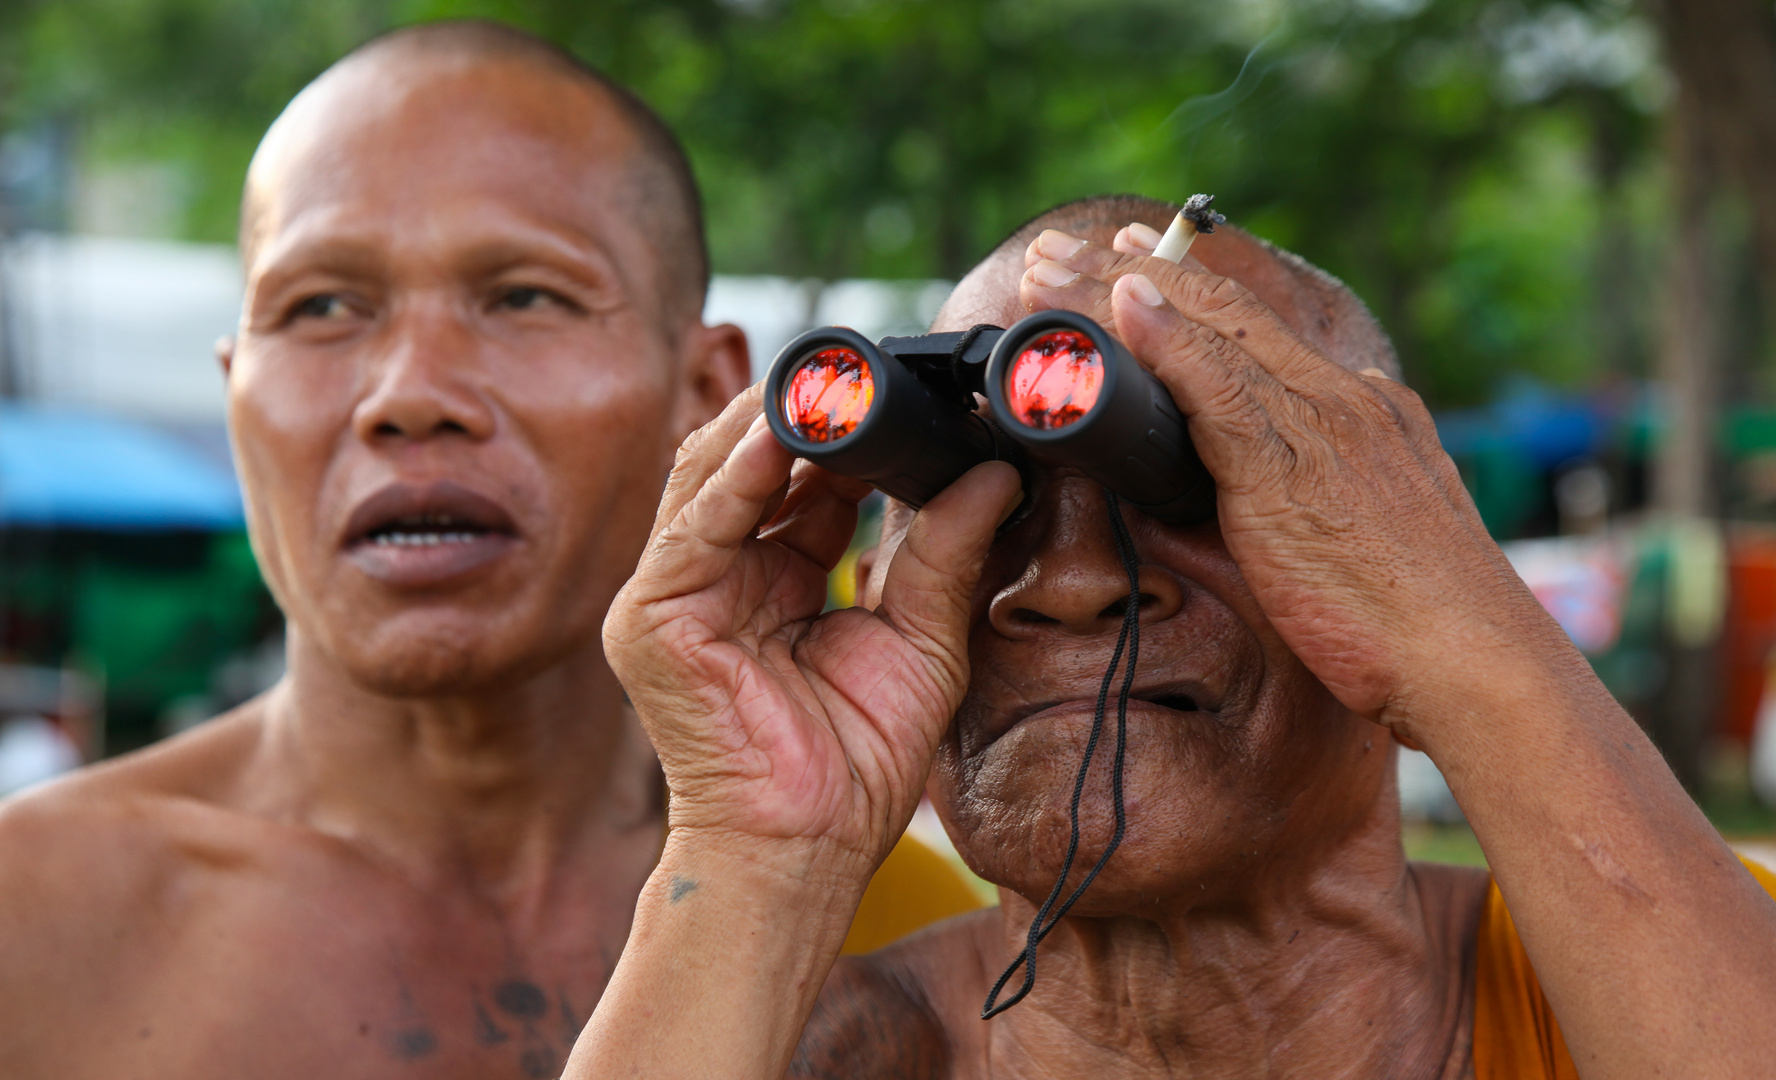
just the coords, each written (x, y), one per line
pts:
(1616, 295)
(1692, 367)
(1723, 53)
(1723, 140)
(1685, 474)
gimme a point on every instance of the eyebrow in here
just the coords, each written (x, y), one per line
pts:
(357, 253)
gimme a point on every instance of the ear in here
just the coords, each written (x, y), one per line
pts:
(225, 353)
(717, 366)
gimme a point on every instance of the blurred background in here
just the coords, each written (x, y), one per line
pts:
(1565, 214)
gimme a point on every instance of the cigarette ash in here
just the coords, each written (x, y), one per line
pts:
(1196, 211)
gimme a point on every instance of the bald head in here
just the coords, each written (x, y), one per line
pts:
(1315, 304)
(508, 70)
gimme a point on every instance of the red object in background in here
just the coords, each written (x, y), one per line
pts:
(829, 395)
(1750, 632)
(1055, 380)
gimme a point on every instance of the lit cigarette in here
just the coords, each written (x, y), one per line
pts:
(1196, 217)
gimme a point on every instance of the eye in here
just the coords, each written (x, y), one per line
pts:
(531, 298)
(328, 306)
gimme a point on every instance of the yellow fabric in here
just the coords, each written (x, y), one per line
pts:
(913, 888)
(1515, 1034)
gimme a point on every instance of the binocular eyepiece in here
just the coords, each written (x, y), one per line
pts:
(903, 413)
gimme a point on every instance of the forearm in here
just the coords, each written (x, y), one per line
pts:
(1655, 947)
(726, 956)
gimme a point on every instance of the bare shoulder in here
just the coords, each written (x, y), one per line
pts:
(886, 1015)
(97, 841)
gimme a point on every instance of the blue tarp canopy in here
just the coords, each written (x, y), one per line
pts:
(61, 468)
(1547, 428)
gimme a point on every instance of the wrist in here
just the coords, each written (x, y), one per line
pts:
(732, 940)
(816, 872)
(1483, 668)
(1501, 699)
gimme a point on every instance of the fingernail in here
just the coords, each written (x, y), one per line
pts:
(1055, 244)
(1142, 290)
(1374, 373)
(1143, 236)
(1051, 274)
(759, 423)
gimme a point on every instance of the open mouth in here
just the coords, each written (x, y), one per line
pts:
(426, 530)
(426, 534)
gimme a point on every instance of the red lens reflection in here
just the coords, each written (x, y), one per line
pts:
(829, 395)
(1055, 380)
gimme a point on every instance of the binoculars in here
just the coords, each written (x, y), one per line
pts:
(903, 414)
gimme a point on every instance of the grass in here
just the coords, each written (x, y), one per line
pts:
(1442, 843)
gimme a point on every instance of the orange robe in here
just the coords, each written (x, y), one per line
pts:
(1515, 1034)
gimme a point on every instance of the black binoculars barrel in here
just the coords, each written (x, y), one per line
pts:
(1128, 436)
(907, 441)
(899, 415)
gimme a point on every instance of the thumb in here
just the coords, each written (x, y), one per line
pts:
(929, 588)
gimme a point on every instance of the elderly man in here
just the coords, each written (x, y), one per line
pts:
(1260, 919)
(471, 344)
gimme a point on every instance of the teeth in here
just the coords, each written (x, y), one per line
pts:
(421, 539)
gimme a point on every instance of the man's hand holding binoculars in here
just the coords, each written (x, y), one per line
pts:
(774, 722)
(795, 744)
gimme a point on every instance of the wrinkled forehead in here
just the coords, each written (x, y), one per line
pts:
(412, 133)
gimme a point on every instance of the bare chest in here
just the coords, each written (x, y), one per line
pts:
(337, 974)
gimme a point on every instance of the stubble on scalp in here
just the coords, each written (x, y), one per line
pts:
(1326, 312)
(662, 189)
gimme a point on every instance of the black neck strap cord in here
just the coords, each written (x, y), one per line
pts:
(1129, 638)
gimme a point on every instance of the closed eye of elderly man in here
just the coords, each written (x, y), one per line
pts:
(472, 343)
(1260, 918)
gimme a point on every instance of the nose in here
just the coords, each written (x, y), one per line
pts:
(1075, 581)
(424, 383)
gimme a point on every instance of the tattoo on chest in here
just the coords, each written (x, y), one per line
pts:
(515, 1015)
(413, 1039)
(414, 1042)
(519, 1011)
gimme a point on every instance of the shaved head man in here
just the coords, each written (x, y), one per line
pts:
(470, 346)
(1259, 917)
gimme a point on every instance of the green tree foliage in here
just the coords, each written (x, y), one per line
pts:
(1480, 171)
